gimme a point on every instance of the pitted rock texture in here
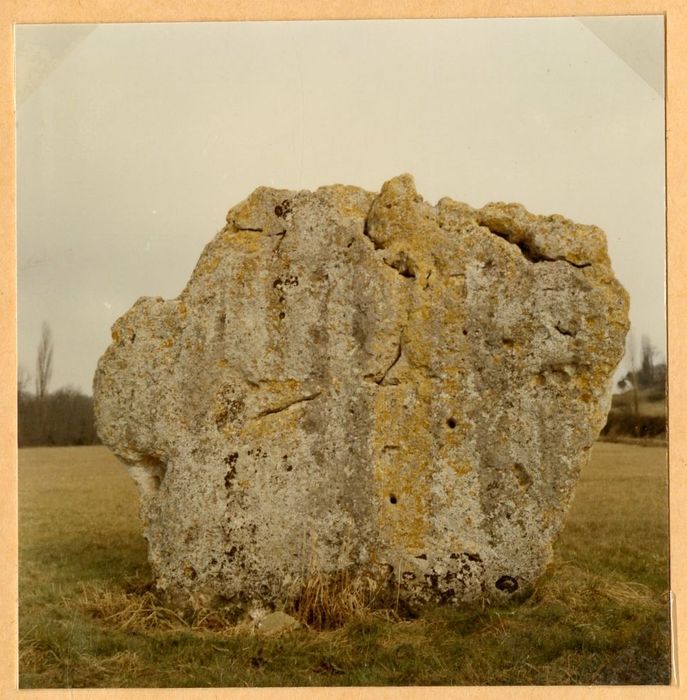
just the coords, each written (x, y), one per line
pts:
(366, 382)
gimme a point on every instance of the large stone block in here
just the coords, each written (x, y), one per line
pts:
(366, 382)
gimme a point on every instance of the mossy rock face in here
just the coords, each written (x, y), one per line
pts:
(365, 382)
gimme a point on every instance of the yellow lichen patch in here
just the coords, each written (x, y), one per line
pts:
(246, 270)
(271, 393)
(434, 333)
(348, 200)
(406, 228)
(209, 265)
(402, 448)
(273, 425)
(247, 241)
(251, 213)
(418, 339)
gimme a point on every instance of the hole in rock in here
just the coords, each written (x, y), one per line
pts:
(539, 379)
(393, 500)
(563, 330)
(507, 584)
(451, 422)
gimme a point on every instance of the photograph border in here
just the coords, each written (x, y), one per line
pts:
(112, 11)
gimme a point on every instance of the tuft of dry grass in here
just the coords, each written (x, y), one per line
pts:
(328, 601)
(571, 585)
(126, 611)
(143, 611)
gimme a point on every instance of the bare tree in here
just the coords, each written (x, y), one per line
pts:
(44, 362)
(23, 379)
(648, 355)
(633, 370)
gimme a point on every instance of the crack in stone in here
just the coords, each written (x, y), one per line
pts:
(366, 233)
(280, 235)
(532, 255)
(246, 228)
(380, 381)
(283, 407)
(564, 331)
(400, 265)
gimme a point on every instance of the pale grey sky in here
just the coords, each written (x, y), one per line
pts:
(135, 140)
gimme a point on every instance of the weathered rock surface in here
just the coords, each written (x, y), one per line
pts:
(365, 381)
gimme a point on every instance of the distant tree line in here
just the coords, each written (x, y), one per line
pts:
(62, 417)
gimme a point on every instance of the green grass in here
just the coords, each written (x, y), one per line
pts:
(598, 616)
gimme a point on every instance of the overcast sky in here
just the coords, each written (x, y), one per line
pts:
(135, 140)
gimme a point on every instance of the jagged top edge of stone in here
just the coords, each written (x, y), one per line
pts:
(549, 237)
(408, 182)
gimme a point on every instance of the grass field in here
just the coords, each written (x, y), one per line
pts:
(599, 615)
